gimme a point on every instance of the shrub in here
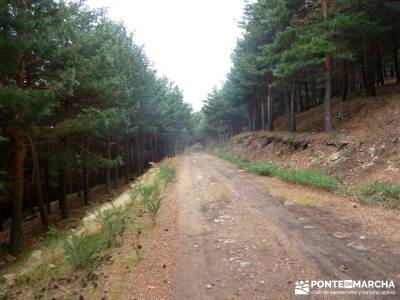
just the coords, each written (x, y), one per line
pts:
(81, 250)
(114, 223)
(224, 154)
(266, 168)
(53, 237)
(314, 177)
(151, 197)
(380, 194)
(167, 174)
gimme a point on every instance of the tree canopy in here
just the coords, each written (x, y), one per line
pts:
(297, 54)
(80, 105)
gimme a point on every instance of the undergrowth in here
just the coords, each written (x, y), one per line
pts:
(150, 193)
(83, 249)
(313, 177)
(380, 194)
(376, 193)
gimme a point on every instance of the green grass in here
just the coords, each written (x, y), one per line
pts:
(226, 155)
(151, 192)
(114, 222)
(376, 193)
(167, 173)
(312, 177)
(81, 250)
(380, 194)
(267, 168)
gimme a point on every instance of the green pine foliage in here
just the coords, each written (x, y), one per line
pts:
(76, 90)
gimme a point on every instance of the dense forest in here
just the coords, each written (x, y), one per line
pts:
(295, 55)
(80, 106)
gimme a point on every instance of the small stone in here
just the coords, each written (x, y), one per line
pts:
(357, 246)
(363, 237)
(36, 255)
(344, 269)
(339, 235)
(209, 286)
(152, 287)
(308, 227)
(245, 264)
(10, 278)
(288, 203)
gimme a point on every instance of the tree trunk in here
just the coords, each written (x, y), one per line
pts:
(396, 60)
(270, 109)
(379, 72)
(85, 174)
(47, 192)
(126, 161)
(38, 185)
(300, 106)
(262, 113)
(369, 66)
(115, 169)
(328, 75)
(62, 192)
(292, 127)
(108, 170)
(1, 216)
(345, 85)
(307, 96)
(18, 192)
(290, 109)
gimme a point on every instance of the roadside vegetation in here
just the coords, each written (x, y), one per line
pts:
(374, 194)
(81, 252)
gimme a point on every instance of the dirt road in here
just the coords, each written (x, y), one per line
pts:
(238, 241)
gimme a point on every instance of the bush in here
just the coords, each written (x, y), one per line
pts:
(167, 174)
(266, 168)
(380, 194)
(81, 250)
(315, 178)
(224, 154)
(114, 223)
(151, 197)
(53, 237)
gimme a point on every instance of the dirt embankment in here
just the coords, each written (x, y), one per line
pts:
(364, 148)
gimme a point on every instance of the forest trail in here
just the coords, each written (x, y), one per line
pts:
(238, 241)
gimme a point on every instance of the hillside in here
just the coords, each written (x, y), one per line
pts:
(364, 148)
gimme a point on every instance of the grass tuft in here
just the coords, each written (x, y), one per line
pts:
(114, 223)
(81, 250)
(167, 173)
(379, 193)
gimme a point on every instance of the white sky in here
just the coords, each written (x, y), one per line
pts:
(189, 41)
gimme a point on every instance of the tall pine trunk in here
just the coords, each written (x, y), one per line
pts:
(47, 186)
(270, 109)
(18, 192)
(262, 113)
(396, 59)
(328, 76)
(108, 170)
(62, 192)
(85, 174)
(38, 186)
(369, 66)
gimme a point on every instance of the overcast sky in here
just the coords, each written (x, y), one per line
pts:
(189, 41)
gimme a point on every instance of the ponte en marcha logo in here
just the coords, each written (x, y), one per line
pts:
(345, 287)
